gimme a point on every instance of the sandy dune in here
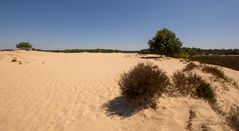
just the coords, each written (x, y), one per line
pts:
(67, 92)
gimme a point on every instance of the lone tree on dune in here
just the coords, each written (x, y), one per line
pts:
(24, 46)
(165, 43)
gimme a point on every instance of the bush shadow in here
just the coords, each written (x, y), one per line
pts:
(119, 107)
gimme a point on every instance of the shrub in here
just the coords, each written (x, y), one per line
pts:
(186, 83)
(192, 84)
(143, 84)
(14, 60)
(194, 80)
(233, 118)
(190, 66)
(214, 71)
(180, 81)
(205, 91)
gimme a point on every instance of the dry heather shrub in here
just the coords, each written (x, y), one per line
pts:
(180, 83)
(233, 118)
(14, 60)
(205, 91)
(190, 66)
(214, 71)
(192, 84)
(185, 83)
(143, 84)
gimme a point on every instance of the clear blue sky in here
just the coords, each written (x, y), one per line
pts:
(117, 24)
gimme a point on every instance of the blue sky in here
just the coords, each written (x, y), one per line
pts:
(117, 24)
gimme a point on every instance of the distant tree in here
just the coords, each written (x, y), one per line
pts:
(165, 43)
(24, 46)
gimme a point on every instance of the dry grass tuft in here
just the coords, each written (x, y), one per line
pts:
(190, 66)
(215, 71)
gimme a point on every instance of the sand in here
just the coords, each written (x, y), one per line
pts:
(68, 92)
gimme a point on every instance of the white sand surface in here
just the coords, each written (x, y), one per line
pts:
(67, 92)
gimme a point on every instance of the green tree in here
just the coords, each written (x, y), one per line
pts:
(24, 46)
(165, 43)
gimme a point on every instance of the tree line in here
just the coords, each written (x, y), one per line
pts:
(198, 51)
(92, 51)
(165, 42)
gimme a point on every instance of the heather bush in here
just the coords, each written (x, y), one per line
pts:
(193, 85)
(186, 83)
(143, 84)
(180, 82)
(14, 60)
(204, 90)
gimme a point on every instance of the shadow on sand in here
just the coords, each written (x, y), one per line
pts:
(118, 107)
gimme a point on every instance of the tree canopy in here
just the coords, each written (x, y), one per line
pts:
(24, 45)
(165, 43)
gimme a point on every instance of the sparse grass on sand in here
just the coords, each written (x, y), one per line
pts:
(190, 66)
(215, 71)
(233, 118)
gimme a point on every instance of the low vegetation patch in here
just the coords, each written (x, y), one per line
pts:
(186, 83)
(190, 66)
(14, 60)
(193, 85)
(214, 71)
(204, 90)
(143, 84)
(182, 54)
(192, 115)
(233, 118)
(235, 84)
(180, 82)
(230, 61)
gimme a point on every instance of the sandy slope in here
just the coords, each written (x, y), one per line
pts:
(67, 92)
